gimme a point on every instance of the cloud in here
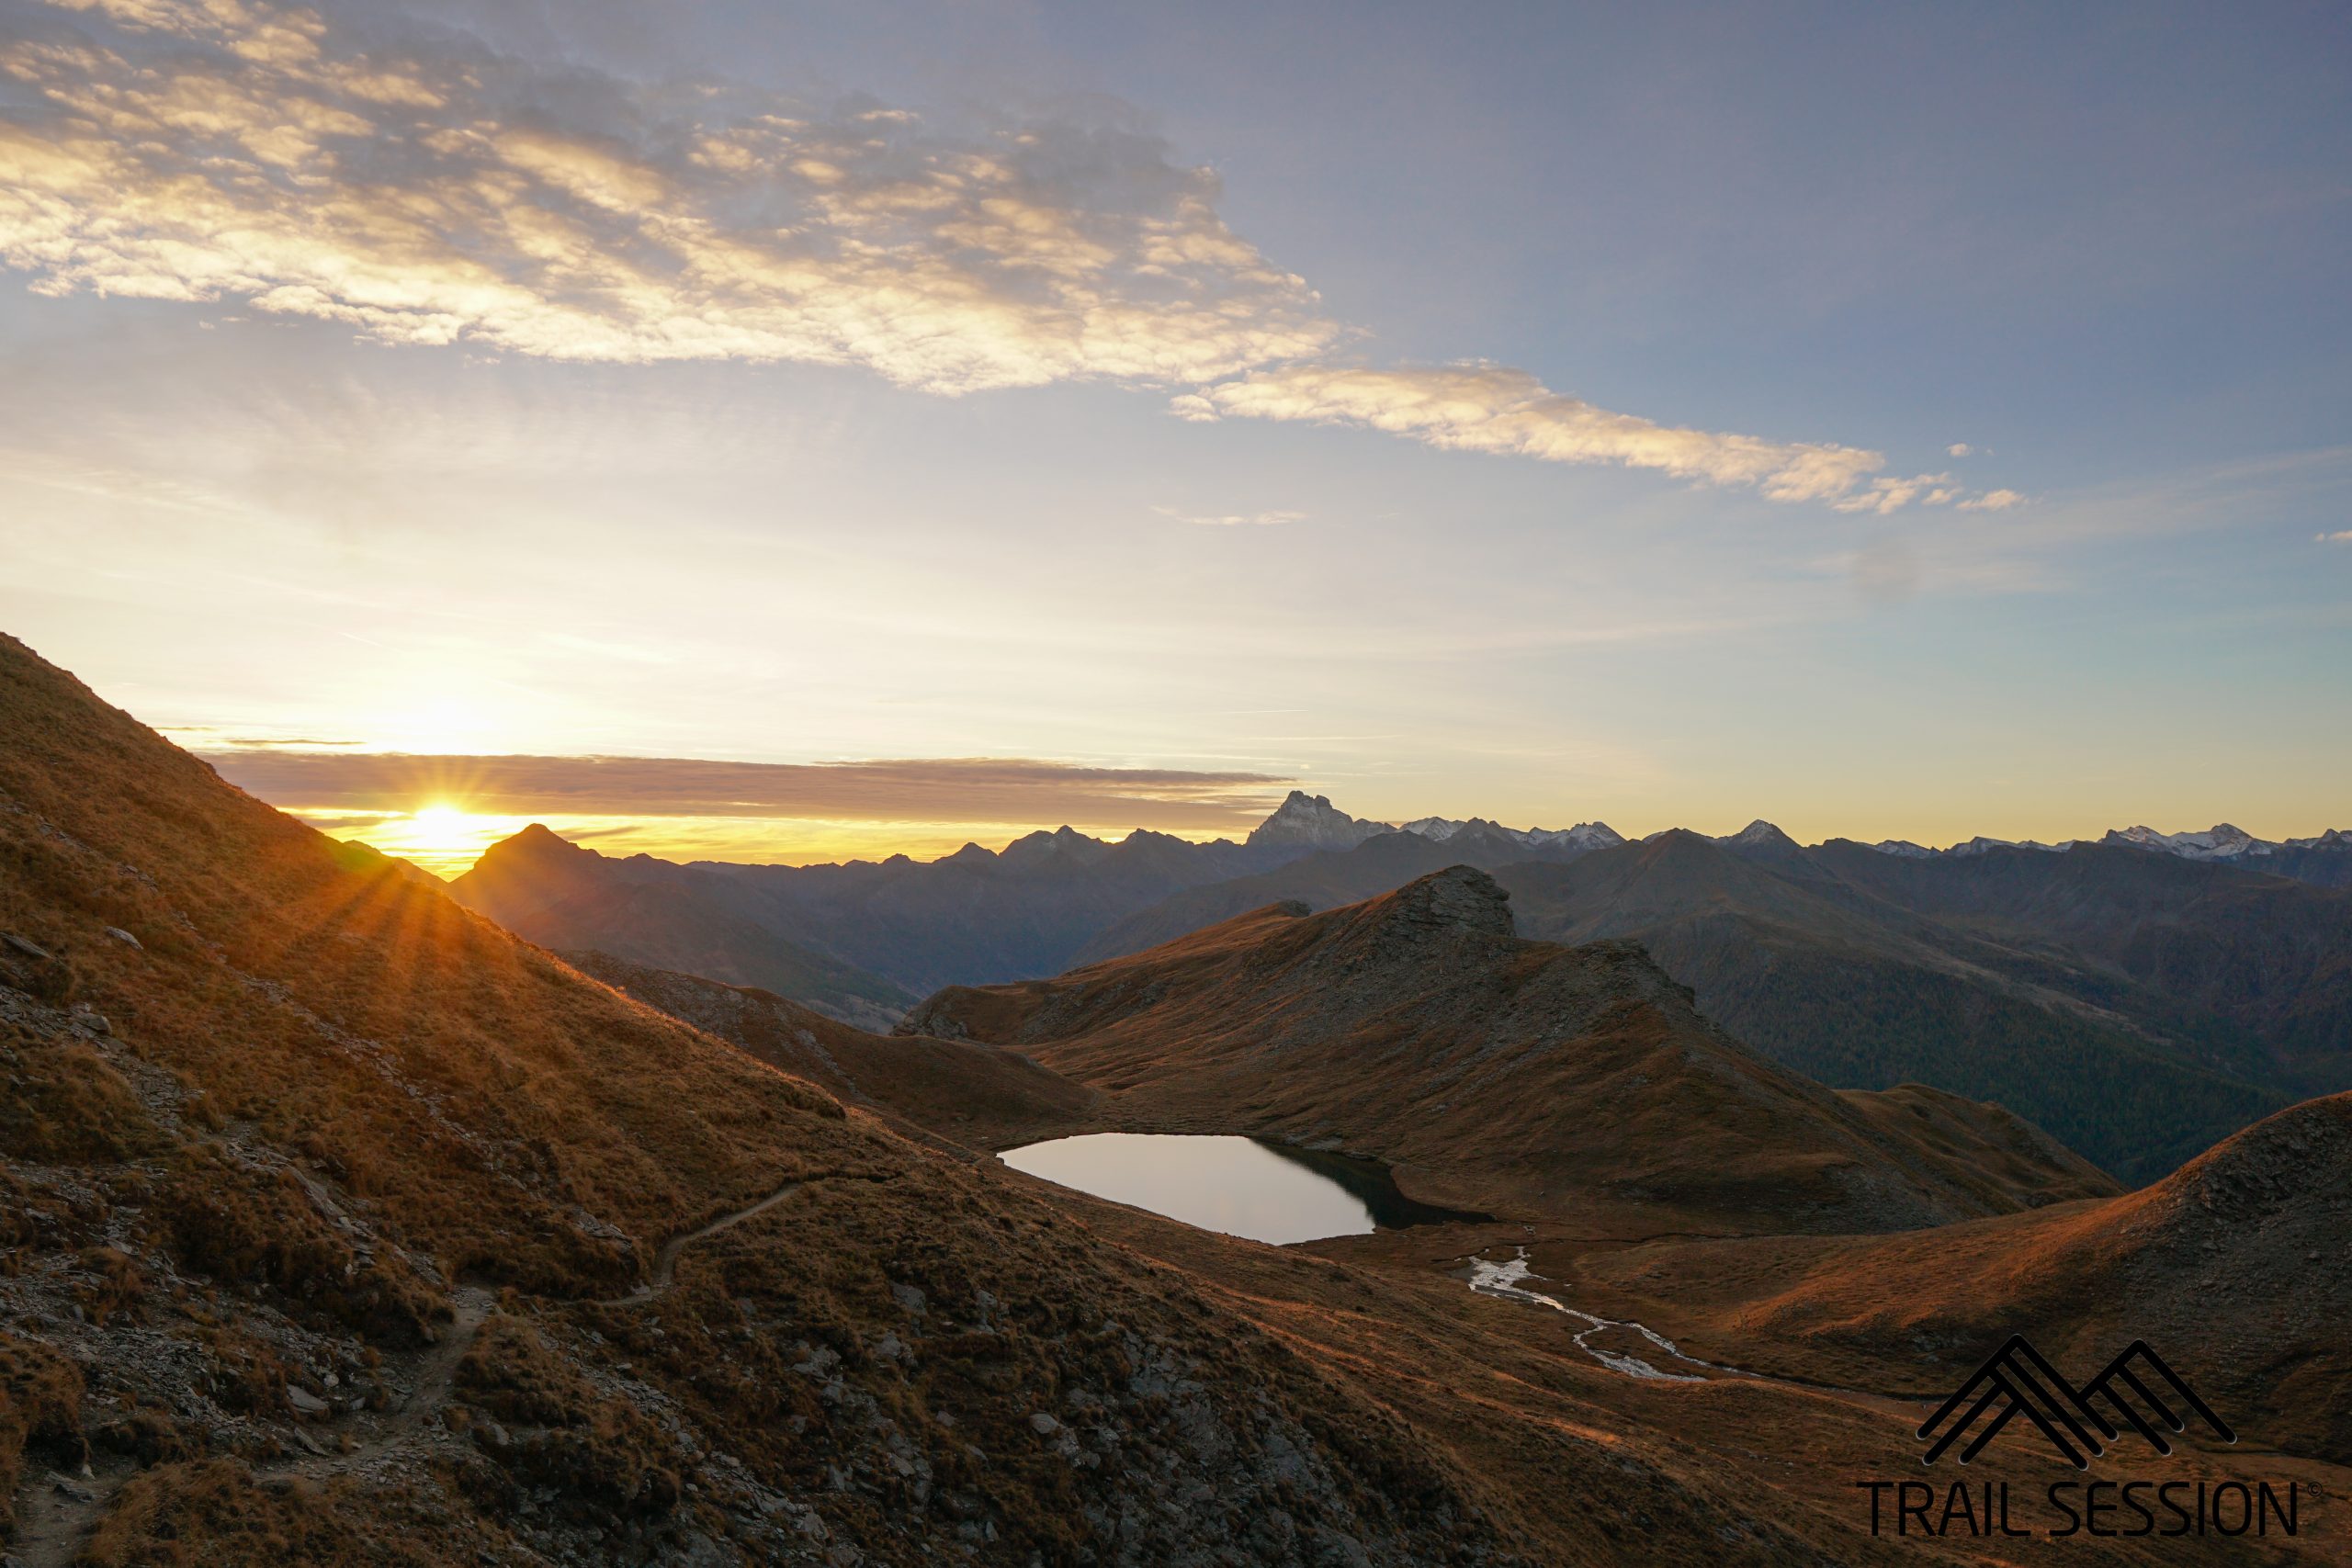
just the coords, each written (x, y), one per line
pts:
(1885, 495)
(1959, 449)
(2343, 538)
(1993, 501)
(1232, 520)
(1492, 408)
(445, 194)
(960, 789)
(435, 192)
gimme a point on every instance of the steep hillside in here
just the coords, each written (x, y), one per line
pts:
(980, 1095)
(2254, 969)
(342, 1227)
(1831, 975)
(2234, 1265)
(1500, 1075)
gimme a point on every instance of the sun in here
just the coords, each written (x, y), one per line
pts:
(442, 838)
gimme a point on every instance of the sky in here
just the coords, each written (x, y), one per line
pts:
(786, 431)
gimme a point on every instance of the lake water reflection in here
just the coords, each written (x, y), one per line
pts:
(1240, 1185)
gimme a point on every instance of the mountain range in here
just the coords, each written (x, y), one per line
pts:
(345, 1227)
(2138, 997)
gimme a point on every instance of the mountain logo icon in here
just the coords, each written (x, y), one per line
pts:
(2017, 1379)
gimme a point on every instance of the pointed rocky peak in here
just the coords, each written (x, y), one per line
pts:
(1903, 849)
(1459, 898)
(538, 844)
(1436, 830)
(1313, 822)
(970, 854)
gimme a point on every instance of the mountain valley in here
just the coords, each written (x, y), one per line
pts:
(347, 1227)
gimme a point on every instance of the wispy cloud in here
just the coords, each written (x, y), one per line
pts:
(1960, 449)
(1885, 495)
(2343, 536)
(438, 192)
(956, 789)
(1231, 520)
(1492, 408)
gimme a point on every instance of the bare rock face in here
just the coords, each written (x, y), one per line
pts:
(1459, 898)
(1313, 821)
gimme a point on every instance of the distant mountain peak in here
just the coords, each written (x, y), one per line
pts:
(1760, 836)
(537, 843)
(1312, 820)
(2223, 841)
(1583, 836)
(1065, 844)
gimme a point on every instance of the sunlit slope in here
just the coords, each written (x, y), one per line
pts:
(2235, 1266)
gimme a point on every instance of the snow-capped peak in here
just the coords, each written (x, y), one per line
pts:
(1759, 837)
(1583, 836)
(2221, 841)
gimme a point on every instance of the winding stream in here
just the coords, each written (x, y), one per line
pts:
(1501, 1280)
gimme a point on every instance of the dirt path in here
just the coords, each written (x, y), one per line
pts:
(665, 1264)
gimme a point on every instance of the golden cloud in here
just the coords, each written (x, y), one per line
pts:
(958, 789)
(437, 193)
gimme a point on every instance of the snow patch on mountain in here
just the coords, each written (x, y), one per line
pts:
(2223, 841)
(1583, 836)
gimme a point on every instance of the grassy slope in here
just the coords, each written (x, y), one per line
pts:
(2234, 1266)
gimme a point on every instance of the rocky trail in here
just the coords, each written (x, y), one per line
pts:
(57, 1512)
